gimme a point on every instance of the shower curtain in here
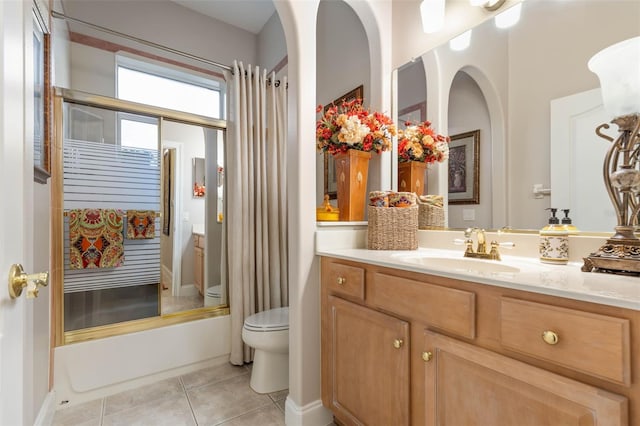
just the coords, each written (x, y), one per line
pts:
(255, 199)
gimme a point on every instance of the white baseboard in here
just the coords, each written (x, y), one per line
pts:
(312, 414)
(47, 411)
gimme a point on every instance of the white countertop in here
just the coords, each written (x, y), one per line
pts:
(519, 273)
(198, 229)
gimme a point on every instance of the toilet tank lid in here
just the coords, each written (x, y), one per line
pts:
(278, 317)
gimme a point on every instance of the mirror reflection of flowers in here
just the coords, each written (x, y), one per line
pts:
(419, 142)
(198, 190)
(351, 126)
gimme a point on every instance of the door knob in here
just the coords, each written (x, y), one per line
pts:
(18, 280)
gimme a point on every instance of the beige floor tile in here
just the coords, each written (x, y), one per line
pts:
(142, 395)
(211, 375)
(279, 395)
(224, 400)
(280, 404)
(85, 414)
(266, 416)
(170, 411)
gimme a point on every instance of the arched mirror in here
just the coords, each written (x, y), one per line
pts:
(512, 85)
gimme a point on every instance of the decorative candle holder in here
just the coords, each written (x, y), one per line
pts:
(618, 68)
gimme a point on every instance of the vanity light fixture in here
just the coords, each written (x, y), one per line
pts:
(618, 69)
(490, 5)
(509, 17)
(432, 14)
(461, 42)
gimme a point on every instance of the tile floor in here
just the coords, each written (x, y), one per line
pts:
(213, 396)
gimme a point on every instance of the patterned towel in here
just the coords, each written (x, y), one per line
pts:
(141, 224)
(95, 237)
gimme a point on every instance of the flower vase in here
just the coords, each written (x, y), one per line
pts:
(412, 177)
(352, 168)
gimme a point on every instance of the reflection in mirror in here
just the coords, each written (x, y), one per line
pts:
(518, 74)
(198, 178)
(191, 253)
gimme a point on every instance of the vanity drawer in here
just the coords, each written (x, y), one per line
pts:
(590, 343)
(344, 279)
(443, 308)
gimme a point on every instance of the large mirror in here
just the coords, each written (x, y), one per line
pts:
(513, 86)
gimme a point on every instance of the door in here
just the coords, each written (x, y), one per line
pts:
(468, 385)
(16, 198)
(369, 365)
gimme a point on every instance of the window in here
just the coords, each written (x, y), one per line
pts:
(165, 87)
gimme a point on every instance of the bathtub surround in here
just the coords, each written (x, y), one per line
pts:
(256, 207)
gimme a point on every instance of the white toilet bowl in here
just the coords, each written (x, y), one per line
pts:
(213, 296)
(268, 333)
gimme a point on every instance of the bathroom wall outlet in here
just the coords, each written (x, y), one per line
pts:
(468, 214)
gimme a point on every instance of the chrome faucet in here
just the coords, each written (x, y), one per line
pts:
(481, 249)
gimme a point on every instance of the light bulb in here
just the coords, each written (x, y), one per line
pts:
(461, 42)
(477, 2)
(509, 17)
(432, 12)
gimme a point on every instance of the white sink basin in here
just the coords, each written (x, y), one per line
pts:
(462, 264)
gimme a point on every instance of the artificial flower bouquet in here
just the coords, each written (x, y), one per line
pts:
(351, 126)
(419, 142)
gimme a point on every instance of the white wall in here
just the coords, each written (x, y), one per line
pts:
(412, 85)
(272, 46)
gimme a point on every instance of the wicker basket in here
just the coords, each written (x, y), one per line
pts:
(430, 216)
(393, 228)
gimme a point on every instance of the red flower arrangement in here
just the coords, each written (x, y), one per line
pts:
(421, 143)
(351, 126)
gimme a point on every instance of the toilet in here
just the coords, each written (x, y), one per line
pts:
(213, 296)
(268, 333)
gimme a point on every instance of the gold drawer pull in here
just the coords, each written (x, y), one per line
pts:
(397, 343)
(426, 356)
(550, 337)
(341, 280)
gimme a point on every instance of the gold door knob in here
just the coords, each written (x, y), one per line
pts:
(550, 337)
(397, 343)
(19, 280)
(426, 356)
(341, 280)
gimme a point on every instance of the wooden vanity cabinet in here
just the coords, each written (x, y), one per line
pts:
(471, 354)
(198, 271)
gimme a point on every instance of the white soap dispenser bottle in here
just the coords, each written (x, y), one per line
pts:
(554, 241)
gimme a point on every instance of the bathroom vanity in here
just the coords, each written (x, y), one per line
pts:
(410, 339)
(198, 273)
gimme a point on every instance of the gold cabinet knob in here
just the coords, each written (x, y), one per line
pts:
(341, 280)
(398, 343)
(426, 356)
(550, 337)
(18, 280)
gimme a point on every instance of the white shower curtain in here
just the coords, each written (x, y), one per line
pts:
(256, 198)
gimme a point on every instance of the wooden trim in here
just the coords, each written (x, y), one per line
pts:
(283, 62)
(57, 226)
(115, 47)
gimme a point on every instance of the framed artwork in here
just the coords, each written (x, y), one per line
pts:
(330, 182)
(464, 168)
(167, 183)
(41, 94)
(415, 114)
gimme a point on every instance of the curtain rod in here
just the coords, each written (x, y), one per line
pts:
(139, 40)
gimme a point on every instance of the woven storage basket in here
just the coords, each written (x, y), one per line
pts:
(430, 216)
(392, 228)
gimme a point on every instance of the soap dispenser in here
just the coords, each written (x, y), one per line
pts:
(554, 241)
(567, 225)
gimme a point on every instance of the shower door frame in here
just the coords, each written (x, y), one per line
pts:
(59, 336)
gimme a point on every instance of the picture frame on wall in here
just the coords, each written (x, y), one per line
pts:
(330, 181)
(42, 130)
(464, 168)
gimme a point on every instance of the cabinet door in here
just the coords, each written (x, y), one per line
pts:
(199, 269)
(467, 385)
(367, 354)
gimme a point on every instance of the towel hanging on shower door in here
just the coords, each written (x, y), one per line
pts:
(95, 238)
